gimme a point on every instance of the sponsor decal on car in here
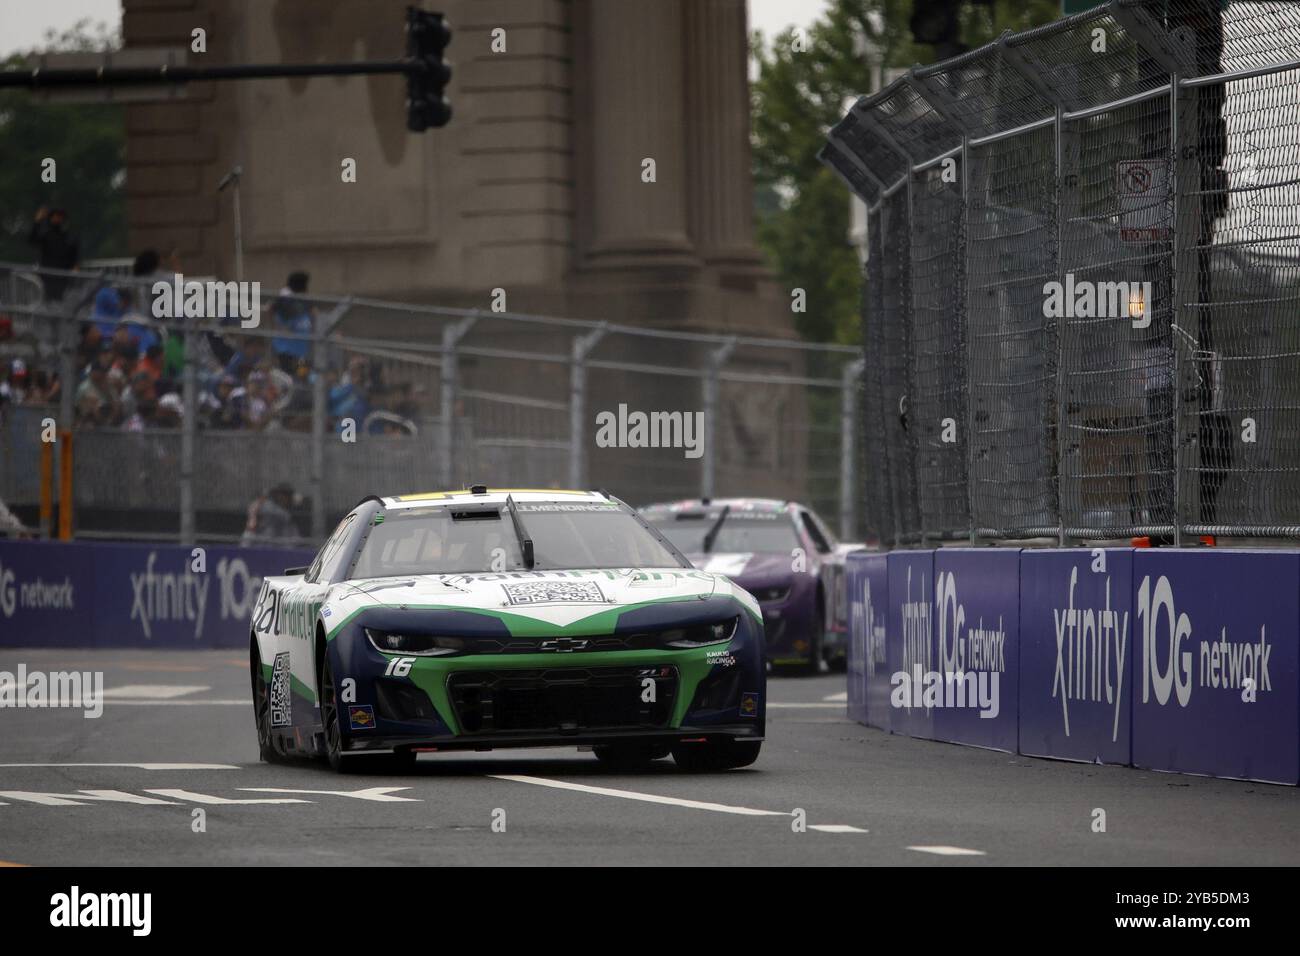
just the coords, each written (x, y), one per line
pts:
(361, 716)
(554, 592)
(749, 704)
(281, 699)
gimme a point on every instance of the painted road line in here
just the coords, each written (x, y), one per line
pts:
(671, 801)
(219, 801)
(81, 798)
(134, 766)
(836, 828)
(376, 794)
(842, 696)
(947, 850)
(153, 691)
(643, 797)
(167, 668)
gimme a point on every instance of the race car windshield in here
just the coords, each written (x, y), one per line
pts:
(737, 533)
(565, 536)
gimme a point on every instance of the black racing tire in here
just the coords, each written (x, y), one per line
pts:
(339, 761)
(630, 756)
(716, 755)
(814, 665)
(262, 713)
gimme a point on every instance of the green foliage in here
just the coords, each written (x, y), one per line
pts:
(88, 143)
(801, 208)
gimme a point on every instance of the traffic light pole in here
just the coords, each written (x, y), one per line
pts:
(38, 78)
(427, 36)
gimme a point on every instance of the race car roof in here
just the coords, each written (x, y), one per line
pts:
(492, 496)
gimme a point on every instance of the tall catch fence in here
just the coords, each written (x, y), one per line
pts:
(367, 396)
(1081, 315)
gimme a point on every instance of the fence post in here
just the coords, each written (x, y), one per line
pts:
(579, 350)
(716, 359)
(189, 424)
(66, 336)
(452, 333)
(320, 335)
(851, 379)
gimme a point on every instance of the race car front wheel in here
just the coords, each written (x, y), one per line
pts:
(329, 715)
(716, 755)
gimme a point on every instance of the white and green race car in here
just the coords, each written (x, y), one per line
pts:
(480, 619)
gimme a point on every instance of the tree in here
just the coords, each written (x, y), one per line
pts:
(805, 81)
(88, 144)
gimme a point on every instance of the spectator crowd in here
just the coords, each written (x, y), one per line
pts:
(130, 364)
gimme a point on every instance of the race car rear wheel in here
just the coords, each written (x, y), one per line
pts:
(329, 716)
(716, 755)
(262, 713)
(815, 638)
(629, 756)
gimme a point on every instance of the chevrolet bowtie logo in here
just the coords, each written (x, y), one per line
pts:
(562, 644)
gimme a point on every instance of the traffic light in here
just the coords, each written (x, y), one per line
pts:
(427, 36)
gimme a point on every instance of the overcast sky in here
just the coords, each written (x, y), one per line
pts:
(23, 22)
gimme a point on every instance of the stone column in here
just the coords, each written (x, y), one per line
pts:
(635, 75)
(720, 192)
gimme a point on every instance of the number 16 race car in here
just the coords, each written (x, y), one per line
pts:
(477, 619)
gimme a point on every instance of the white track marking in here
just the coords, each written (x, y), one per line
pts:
(644, 797)
(947, 850)
(670, 801)
(81, 798)
(219, 801)
(153, 691)
(377, 794)
(136, 766)
(842, 696)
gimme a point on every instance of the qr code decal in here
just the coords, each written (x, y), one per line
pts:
(281, 703)
(554, 592)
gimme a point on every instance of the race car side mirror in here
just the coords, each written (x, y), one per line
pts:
(301, 570)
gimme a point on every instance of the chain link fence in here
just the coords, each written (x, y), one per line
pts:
(193, 419)
(1081, 317)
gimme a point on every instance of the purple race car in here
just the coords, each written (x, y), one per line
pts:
(782, 553)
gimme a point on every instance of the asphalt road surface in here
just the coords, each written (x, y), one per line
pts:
(169, 775)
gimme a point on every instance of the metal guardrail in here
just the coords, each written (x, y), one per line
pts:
(453, 396)
(1150, 142)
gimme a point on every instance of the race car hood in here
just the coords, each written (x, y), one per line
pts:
(747, 569)
(533, 602)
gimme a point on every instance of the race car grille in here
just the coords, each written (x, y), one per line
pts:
(604, 642)
(563, 700)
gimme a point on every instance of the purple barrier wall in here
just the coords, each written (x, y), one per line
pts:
(1076, 641)
(1216, 685)
(868, 683)
(977, 627)
(76, 594)
(909, 638)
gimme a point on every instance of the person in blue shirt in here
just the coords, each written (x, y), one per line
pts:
(293, 315)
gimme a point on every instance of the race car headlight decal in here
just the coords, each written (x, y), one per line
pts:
(700, 635)
(418, 645)
(770, 595)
